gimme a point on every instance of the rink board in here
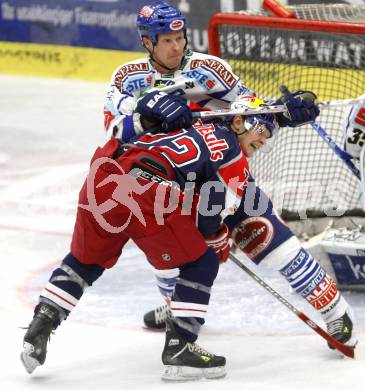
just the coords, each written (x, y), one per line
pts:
(27, 59)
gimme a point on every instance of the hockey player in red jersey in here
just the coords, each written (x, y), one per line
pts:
(138, 191)
(187, 236)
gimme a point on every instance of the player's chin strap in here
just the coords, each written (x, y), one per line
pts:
(346, 350)
(241, 132)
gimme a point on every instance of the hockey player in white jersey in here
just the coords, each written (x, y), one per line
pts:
(178, 79)
(204, 81)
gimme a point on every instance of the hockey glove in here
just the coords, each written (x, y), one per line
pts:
(169, 111)
(221, 243)
(301, 108)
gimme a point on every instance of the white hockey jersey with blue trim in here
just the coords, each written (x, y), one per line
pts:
(354, 139)
(204, 81)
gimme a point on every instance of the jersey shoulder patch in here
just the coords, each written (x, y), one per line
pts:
(129, 69)
(217, 66)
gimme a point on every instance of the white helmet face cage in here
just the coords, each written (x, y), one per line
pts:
(260, 124)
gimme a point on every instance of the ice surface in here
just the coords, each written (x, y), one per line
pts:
(48, 132)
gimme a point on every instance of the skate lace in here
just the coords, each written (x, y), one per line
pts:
(335, 326)
(197, 348)
(161, 313)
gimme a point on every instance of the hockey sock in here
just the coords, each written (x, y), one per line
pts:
(307, 277)
(68, 282)
(191, 296)
(166, 280)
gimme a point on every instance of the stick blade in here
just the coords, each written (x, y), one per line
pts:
(347, 350)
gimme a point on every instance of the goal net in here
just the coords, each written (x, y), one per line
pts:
(301, 174)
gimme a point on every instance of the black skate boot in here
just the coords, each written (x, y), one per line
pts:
(46, 318)
(155, 319)
(187, 361)
(341, 330)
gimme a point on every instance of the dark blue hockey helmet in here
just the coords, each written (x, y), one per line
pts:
(159, 18)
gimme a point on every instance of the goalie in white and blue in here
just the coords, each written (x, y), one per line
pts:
(354, 141)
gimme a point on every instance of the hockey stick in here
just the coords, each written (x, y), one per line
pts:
(345, 157)
(271, 109)
(346, 350)
(339, 103)
(239, 111)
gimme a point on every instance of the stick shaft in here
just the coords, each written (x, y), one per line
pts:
(240, 111)
(344, 102)
(271, 109)
(346, 350)
(345, 157)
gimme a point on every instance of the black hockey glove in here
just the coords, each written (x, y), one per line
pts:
(169, 111)
(301, 108)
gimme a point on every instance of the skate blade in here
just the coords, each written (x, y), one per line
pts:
(158, 330)
(184, 373)
(29, 363)
(352, 342)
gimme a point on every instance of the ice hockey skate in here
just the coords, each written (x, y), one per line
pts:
(341, 330)
(37, 336)
(156, 319)
(186, 361)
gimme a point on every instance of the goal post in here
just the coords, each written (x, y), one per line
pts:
(301, 174)
(352, 13)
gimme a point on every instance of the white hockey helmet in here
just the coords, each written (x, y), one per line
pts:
(258, 122)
